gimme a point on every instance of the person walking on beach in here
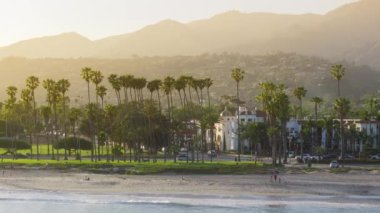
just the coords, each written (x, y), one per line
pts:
(275, 176)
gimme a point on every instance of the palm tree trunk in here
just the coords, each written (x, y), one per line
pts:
(31, 145)
(343, 147)
(191, 101)
(208, 97)
(238, 119)
(130, 93)
(284, 142)
(338, 88)
(125, 94)
(201, 101)
(64, 124)
(274, 150)
(168, 139)
(196, 92)
(159, 100)
(184, 97)
(89, 122)
(180, 97)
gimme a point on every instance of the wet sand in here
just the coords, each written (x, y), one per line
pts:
(363, 183)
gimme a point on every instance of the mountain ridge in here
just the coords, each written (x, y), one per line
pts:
(349, 32)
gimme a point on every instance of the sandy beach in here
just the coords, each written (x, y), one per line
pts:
(360, 183)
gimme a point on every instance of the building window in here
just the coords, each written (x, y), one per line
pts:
(242, 119)
(249, 119)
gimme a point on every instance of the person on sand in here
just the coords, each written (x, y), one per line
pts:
(275, 176)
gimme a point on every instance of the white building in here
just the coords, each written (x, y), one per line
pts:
(226, 129)
(370, 129)
(293, 127)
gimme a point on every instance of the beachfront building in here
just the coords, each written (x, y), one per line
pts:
(358, 134)
(365, 133)
(226, 128)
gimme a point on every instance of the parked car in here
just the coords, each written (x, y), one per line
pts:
(375, 157)
(334, 164)
(291, 154)
(346, 157)
(303, 157)
(212, 153)
(183, 156)
(316, 157)
(330, 157)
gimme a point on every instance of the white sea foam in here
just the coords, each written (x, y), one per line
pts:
(285, 203)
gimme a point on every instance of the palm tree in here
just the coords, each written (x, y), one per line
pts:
(10, 110)
(237, 74)
(50, 86)
(276, 104)
(101, 92)
(46, 114)
(193, 83)
(32, 83)
(97, 78)
(26, 97)
(116, 85)
(125, 81)
(140, 85)
(167, 87)
(74, 116)
(189, 81)
(300, 93)
(283, 110)
(208, 84)
(184, 79)
(201, 83)
(342, 107)
(337, 72)
(87, 76)
(317, 101)
(62, 87)
(180, 85)
(155, 85)
(110, 117)
(372, 106)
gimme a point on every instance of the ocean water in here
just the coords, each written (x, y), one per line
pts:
(32, 201)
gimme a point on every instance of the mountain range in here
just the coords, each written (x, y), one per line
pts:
(351, 33)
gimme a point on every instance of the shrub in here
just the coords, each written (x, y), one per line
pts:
(74, 143)
(16, 144)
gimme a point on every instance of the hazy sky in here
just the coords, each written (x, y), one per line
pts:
(24, 19)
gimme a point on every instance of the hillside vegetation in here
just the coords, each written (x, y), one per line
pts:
(292, 69)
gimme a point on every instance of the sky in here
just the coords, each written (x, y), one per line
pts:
(95, 19)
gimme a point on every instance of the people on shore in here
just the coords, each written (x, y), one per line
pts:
(275, 176)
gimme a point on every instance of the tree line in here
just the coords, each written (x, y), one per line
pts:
(138, 123)
(159, 116)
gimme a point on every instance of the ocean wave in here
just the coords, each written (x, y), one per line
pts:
(225, 201)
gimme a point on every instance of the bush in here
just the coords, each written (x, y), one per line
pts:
(16, 144)
(73, 143)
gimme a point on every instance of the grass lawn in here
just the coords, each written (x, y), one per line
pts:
(141, 168)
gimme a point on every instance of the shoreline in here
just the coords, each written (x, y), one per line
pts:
(315, 183)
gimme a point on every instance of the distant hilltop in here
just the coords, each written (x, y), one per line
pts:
(350, 33)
